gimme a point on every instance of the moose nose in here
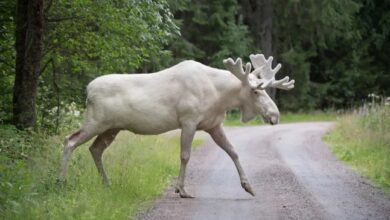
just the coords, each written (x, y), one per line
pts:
(273, 120)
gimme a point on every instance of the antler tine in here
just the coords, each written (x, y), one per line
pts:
(263, 75)
(248, 68)
(264, 71)
(284, 84)
(236, 68)
(257, 60)
(277, 68)
(232, 67)
(269, 60)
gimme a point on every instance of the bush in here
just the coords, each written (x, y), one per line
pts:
(139, 167)
(362, 140)
(14, 176)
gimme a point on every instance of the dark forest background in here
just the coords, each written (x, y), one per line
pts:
(338, 51)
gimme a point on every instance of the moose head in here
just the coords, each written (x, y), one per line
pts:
(254, 84)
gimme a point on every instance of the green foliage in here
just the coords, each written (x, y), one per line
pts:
(15, 180)
(7, 58)
(374, 20)
(139, 167)
(317, 42)
(85, 39)
(59, 118)
(15, 148)
(336, 50)
(295, 60)
(116, 36)
(363, 142)
(211, 31)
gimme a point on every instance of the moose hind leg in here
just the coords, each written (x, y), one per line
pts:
(97, 148)
(70, 144)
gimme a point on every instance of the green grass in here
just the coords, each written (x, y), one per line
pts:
(139, 167)
(307, 117)
(234, 119)
(363, 142)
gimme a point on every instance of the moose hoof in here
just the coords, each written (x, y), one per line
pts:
(247, 188)
(186, 195)
(183, 193)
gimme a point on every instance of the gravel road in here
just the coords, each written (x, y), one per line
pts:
(291, 171)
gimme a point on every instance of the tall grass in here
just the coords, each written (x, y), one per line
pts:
(139, 167)
(363, 141)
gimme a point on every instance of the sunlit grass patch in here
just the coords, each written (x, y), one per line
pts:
(139, 168)
(363, 141)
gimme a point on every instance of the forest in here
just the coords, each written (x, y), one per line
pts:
(338, 52)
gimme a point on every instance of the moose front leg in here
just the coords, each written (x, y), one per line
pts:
(187, 135)
(220, 139)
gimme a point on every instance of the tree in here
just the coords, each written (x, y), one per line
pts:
(318, 44)
(211, 31)
(29, 45)
(80, 40)
(86, 39)
(259, 16)
(7, 58)
(374, 25)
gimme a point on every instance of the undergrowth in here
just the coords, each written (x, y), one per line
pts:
(363, 141)
(139, 168)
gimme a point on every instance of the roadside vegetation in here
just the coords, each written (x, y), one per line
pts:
(362, 140)
(139, 167)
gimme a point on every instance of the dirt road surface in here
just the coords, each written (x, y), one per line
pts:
(293, 173)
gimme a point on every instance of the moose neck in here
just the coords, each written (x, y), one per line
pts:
(232, 93)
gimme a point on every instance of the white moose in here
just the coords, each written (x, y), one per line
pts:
(190, 96)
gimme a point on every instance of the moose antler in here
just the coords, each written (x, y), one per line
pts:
(246, 77)
(262, 77)
(235, 67)
(265, 73)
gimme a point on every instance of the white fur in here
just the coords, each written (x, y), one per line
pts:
(188, 92)
(189, 96)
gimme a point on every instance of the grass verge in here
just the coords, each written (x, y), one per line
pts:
(139, 167)
(363, 142)
(288, 117)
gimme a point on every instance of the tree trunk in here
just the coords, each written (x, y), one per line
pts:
(28, 45)
(258, 15)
